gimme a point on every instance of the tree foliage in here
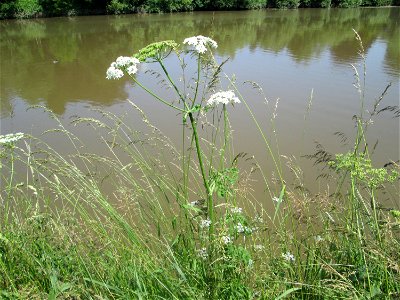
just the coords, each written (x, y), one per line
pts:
(37, 8)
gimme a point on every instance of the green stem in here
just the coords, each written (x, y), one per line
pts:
(198, 81)
(173, 84)
(225, 136)
(157, 97)
(210, 204)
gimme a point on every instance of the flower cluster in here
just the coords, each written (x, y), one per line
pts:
(240, 228)
(156, 51)
(288, 256)
(123, 63)
(200, 43)
(202, 253)
(205, 223)
(277, 199)
(223, 98)
(10, 138)
(259, 247)
(319, 238)
(236, 210)
(244, 229)
(226, 239)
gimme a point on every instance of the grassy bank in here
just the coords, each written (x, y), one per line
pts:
(49, 8)
(149, 220)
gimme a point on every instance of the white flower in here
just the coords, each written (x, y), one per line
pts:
(131, 70)
(288, 256)
(226, 239)
(205, 223)
(250, 263)
(240, 228)
(202, 253)
(249, 230)
(258, 247)
(236, 210)
(193, 203)
(11, 138)
(200, 43)
(258, 219)
(223, 98)
(114, 73)
(276, 199)
(126, 61)
(318, 238)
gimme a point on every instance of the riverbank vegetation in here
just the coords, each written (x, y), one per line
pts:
(182, 222)
(49, 8)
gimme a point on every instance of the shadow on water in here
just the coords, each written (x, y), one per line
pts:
(62, 60)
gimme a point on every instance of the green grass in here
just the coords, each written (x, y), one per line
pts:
(64, 235)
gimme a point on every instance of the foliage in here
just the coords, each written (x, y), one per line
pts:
(316, 3)
(35, 8)
(285, 3)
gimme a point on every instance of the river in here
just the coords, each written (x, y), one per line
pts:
(292, 54)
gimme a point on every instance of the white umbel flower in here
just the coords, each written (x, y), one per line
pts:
(236, 210)
(123, 63)
(202, 253)
(200, 43)
(223, 98)
(205, 223)
(126, 61)
(131, 70)
(258, 247)
(10, 138)
(288, 256)
(114, 73)
(240, 228)
(226, 239)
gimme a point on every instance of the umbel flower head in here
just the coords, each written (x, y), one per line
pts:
(223, 98)
(201, 43)
(156, 51)
(10, 138)
(123, 63)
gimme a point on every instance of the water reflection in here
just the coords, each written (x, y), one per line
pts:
(62, 60)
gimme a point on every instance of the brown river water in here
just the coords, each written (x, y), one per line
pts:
(61, 63)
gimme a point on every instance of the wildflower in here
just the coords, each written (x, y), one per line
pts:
(258, 247)
(131, 70)
(288, 256)
(202, 253)
(277, 199)
(258, 219)
(10, 138)
(156, 51)
(249, 230)
(200, 43)
(223, 98)
(114, 73)
(205, 223)
(250, 263)
(236, 210)
(240, 228)
(318, 238)
(193, 203)
(226, 239)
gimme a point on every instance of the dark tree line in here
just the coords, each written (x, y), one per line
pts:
(38, 8)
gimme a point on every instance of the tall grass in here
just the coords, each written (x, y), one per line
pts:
(182, 222)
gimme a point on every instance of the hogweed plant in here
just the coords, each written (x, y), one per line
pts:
(190, 106)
